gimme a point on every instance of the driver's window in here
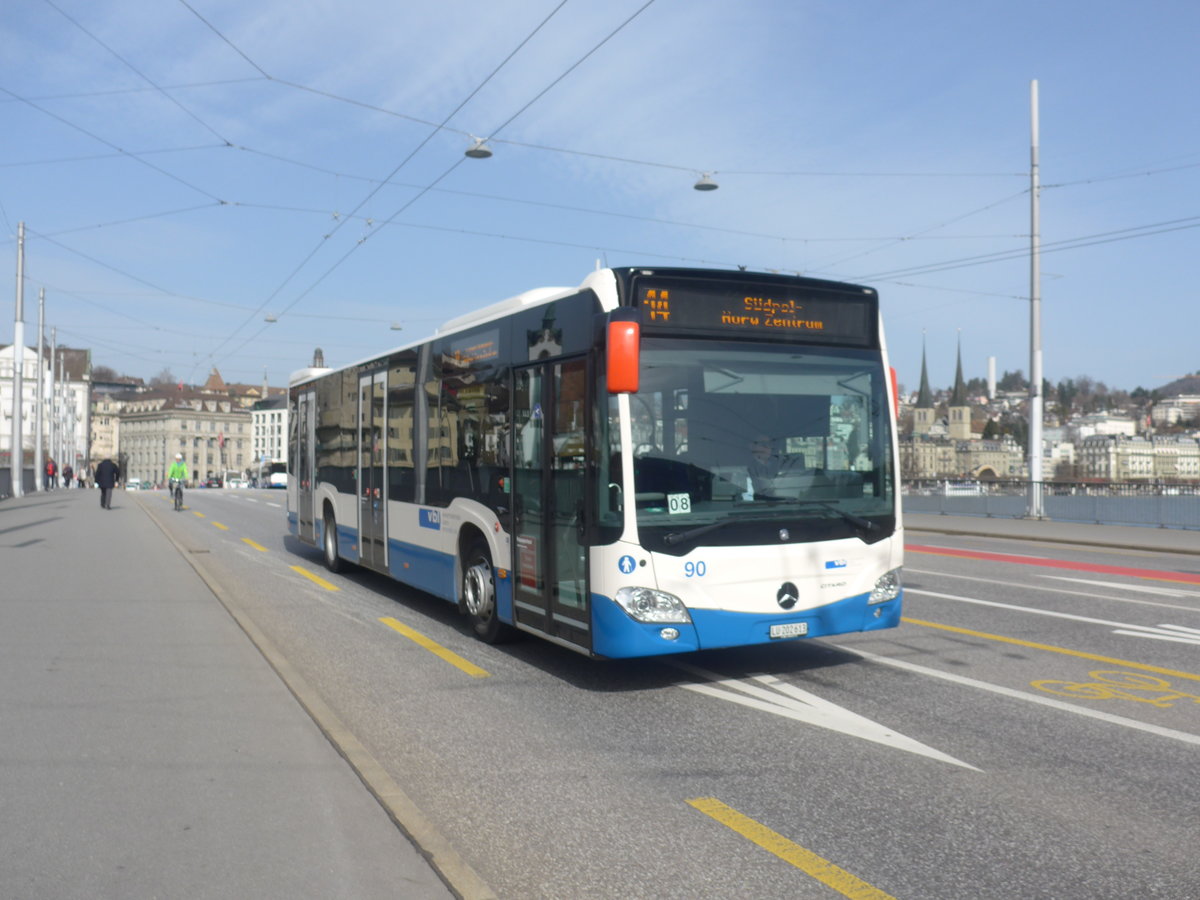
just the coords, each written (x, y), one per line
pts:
(645, 410)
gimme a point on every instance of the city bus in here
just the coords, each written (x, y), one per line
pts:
(275, 475)
(660, 460)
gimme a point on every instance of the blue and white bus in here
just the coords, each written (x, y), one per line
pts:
(658, 461)
(275, 475)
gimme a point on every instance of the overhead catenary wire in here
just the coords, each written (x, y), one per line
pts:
(120, 150)
(496, 233)
(1091, 240)
(377, 188)
(162, 92)
(447, 172)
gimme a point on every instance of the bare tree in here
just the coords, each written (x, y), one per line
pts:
(164, 379)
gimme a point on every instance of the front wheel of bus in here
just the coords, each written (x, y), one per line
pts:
(333, 562)
(479, 596)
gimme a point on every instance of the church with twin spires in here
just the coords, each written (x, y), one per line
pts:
(946, 446)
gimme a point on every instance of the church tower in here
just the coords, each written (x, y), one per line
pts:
(923, 411)
(960, 408)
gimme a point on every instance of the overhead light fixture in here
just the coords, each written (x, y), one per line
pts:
(270, 318)
(479, 149)
(705, 183)
(396, 326)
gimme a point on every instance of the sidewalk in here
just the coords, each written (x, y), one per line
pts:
(146, 746)
(1168, 540)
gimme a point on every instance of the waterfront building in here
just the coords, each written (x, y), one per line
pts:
(1117, 457)
(212, 433)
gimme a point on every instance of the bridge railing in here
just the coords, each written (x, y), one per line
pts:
(1159, 505)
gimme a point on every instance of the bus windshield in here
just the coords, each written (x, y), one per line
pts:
(738, 443)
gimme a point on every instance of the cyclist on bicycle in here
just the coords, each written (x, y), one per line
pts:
(176, 476)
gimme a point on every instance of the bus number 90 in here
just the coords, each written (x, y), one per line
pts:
(695, 569)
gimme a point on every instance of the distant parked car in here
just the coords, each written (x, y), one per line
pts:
(133, 484)
(213, 483)
(236, 483)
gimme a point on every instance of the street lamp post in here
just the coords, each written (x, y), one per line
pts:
(1035, 509)
(39, 413)
(18, 444)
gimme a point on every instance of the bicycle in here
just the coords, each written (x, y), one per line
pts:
(177, 493)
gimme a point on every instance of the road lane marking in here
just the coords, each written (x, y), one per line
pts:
(1151, 574)
(1051, 648)
(436, 649)
(822, 870)
(1171, 733)
(196, 512)
(316, 579)
(219, 525)
(1091, 595)
(1179, 634)
(790, 702)
(1136, 588)
(256, 546)
(1118, 627)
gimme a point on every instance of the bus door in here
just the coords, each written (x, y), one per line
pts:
(372, 484)
(305, 450)
(550, 591)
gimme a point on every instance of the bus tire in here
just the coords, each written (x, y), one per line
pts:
(333, 562)
(479, 595)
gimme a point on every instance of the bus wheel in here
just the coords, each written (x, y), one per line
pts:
(333, 562)
(479, 596)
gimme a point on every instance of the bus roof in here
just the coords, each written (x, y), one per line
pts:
(604, 281)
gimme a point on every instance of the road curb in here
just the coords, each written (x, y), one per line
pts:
(428, 840)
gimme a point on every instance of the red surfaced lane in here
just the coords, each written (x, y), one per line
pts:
(1152, 574)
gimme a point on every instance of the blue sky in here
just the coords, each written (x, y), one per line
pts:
(185, 170)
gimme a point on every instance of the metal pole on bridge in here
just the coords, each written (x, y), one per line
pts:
(39, 413)
(1035, 509)
(18, 402)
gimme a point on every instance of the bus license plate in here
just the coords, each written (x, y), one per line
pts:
(788, 630)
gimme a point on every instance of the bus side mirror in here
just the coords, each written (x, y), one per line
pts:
(623, 346)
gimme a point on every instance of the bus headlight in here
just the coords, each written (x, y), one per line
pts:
(886, 588)
(646, 605)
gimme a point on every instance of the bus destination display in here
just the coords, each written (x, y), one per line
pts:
(765, 311)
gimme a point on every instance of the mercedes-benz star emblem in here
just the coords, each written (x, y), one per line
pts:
(788, 595)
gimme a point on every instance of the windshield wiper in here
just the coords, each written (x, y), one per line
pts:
(678, 537)
(856, 521)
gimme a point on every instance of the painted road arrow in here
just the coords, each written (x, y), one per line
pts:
(768, 694)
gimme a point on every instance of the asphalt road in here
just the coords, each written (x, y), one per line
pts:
(1031, 730)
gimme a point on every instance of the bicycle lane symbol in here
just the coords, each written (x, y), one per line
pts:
(1117, 685)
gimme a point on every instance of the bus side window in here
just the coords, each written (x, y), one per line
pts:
(402, 377)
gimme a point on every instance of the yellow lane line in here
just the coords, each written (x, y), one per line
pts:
(219, 525)
(197, 513)
(1052, 649)
(316, 579)
(256, 546)
(808, 862)
(436, 649)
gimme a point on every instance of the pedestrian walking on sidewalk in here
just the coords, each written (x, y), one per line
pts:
(68, 474)
(106, 479)
(51, 472)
